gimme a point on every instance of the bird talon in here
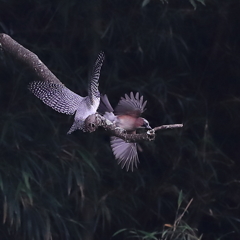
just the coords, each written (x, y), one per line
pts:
(151, 134)
(121, 130)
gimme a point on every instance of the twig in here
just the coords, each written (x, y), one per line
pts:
(171, 126)
(94, 121)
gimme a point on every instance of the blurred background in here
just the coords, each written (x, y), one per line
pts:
(183, 57)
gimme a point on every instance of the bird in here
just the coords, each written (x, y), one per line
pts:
(126, 115)
(63, 100)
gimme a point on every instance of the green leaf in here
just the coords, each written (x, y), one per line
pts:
(180, 199)
(119, 231)
(145, 2)
(193, 2)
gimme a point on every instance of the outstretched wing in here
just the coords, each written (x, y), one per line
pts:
(56, 96)
(93, 92)
(125, 153)
(133, 105)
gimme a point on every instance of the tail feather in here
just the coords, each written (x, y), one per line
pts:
(104, 105)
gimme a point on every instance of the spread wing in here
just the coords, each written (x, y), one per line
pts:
(131, 105)
(93, 92)
(56, 96)
(125, 153)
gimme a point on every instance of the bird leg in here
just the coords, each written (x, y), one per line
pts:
(151, 134)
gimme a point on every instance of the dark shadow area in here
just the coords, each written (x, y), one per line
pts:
(185, 62)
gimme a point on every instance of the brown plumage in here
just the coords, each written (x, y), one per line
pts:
(126, 115)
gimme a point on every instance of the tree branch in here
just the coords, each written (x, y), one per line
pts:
(96, 120)
(28, 58)
(31, 60)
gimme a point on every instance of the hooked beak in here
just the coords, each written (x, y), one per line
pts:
(146, 124)
(148, 127)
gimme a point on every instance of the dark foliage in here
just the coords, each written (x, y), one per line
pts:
(185, 63)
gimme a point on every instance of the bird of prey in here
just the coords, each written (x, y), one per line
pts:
(126, 115)
(63, 100)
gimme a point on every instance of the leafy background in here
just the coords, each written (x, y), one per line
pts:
(183, 56)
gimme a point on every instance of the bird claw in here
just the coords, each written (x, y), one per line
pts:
(151, 134)
(121, 130)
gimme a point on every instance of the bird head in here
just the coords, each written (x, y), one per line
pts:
(143, 123)
(146, 124)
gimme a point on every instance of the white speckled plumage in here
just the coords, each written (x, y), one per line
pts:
(63, 100)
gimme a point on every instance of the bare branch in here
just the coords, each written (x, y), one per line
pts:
(30, 59)
(96, 120)
(171, 126)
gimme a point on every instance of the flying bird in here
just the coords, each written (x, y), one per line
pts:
(63, 100)
(126, 115)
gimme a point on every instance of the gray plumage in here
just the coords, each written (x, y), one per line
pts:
(125, 152)
(133, 105)
(63, 100)
(127, 116)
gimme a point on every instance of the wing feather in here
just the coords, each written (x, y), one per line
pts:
(125, 153)
(56, 96)
(93, 92)
(131, 105)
